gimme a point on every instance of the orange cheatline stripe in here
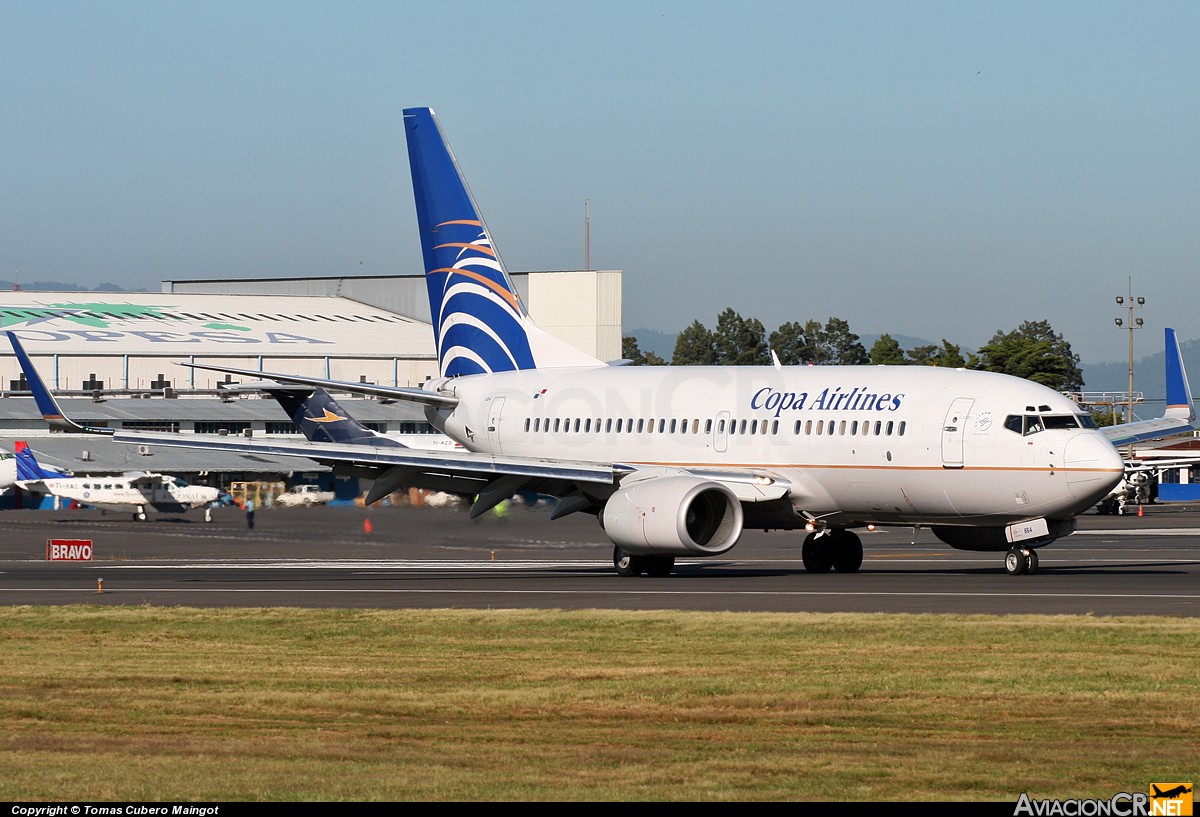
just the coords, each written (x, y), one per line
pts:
(761, 466)
(483, 248)
(489, 283)
(472, 222)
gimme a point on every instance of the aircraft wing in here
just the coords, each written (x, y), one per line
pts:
(1180, 414)
(413, 395)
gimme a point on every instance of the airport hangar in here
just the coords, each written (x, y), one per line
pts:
(112, 360)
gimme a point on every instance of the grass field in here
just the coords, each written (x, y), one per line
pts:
(171, 704)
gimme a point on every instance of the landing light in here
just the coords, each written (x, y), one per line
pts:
(870, 527)
(810, 527)
(761, 480)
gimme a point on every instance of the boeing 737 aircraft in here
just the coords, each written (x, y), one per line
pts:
(676, 461)
(136, 491)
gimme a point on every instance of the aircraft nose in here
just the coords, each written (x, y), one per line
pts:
(1093, 465)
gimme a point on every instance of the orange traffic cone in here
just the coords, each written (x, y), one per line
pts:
(1140, 511)
(367, 526)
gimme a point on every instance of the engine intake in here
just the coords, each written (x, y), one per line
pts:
(677, 516)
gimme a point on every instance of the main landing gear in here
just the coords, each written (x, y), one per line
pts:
(839, 550)
(630, 564)
(1020, 560)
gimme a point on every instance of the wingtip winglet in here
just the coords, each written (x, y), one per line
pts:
(51, 412)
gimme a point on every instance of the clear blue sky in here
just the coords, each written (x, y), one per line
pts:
(932, 169)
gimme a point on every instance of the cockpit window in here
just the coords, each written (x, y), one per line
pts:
(1033, 423)
(1086, 421)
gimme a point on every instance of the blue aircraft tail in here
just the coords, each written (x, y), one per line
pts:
(28, 468)
(1179, 391)
(47, 405)
(479, 321)
(322, 420)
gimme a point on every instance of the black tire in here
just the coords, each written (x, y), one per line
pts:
(659, 566)
(816, 554)
(847, 552)
(1014, 562)
(628, 564)
(1031, 562)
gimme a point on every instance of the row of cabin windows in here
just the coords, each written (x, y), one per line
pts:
(808, 428)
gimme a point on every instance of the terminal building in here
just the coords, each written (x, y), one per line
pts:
(113, 359)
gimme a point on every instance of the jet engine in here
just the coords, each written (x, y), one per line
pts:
(674, 516)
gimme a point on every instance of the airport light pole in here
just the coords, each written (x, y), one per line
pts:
(1130, 303)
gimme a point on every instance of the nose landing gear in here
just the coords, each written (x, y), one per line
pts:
(1020, 560)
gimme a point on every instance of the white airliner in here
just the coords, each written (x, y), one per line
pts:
(677, 461)
(136, 491)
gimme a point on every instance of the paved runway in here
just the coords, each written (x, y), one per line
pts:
(402, 557)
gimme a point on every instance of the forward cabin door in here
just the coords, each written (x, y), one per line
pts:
(954, 429)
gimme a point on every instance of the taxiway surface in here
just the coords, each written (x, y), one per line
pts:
(399, 557)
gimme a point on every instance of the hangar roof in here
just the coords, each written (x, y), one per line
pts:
(161, 323)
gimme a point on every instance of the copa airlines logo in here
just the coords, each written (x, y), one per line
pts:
(860, 398)
(479, 323)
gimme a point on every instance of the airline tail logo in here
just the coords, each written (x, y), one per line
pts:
(479, 323)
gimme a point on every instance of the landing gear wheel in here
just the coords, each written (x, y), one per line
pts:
(627, 564)
(659, 566)
(1014, 562)
(847, 552)
(140, 514)
(817, 554)
(1031, 562)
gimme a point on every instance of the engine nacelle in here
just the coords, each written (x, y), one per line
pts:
(674, 516)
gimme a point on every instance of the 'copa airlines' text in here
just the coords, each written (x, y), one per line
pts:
(857, 399)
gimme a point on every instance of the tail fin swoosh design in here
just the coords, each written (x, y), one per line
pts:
(479, 321)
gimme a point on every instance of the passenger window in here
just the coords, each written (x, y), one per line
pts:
(808, 427)
(640, 425)
(527, 422)
(853, 427)
(720, 426)
(820, 427)
(878, 427)
(556, 425)
(774, 427)
(889, 428)
(900, 428)
(672, 426)
(842, 428)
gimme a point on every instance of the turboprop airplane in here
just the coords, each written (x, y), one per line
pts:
(676, 461)
(135, 491)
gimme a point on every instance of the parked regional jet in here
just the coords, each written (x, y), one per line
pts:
(136, 491)
(676, 461)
